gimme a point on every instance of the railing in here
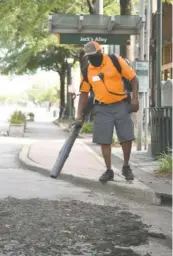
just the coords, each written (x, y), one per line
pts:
(161, 130)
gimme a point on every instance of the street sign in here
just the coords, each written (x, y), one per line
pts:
(142, 73)
(84, 38)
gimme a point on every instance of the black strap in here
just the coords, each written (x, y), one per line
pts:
(85, 73)
(115, 61)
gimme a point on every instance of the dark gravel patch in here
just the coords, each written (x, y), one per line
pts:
(52, 228)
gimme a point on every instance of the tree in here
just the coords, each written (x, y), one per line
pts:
(29, 44)
(39, 94)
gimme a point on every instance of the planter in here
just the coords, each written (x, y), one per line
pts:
(16, 130)
(31, 119)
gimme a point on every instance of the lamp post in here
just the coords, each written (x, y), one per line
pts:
(159, 51)
(69, 84)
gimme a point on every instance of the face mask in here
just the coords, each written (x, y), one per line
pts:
(96, 60)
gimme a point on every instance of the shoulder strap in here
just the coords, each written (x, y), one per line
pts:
(84, 72)
(115, 61)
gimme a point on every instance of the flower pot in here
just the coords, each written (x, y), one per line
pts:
(31, 119)
(16, 130)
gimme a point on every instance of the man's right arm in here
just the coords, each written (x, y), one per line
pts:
(83, 98)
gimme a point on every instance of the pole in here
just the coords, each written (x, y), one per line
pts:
(159, 51)
(68, 96)
(148, 31)
(148, 37)
(99, 6)
(141, 97)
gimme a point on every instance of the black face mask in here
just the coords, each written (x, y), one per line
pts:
(96, 60)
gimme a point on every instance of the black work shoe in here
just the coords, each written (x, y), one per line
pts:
(107, 176)
(127, 173)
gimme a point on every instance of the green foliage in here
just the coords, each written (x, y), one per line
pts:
(165, 163)
(3, 98)
(40, 94)
(49, 95)
(31, 114)
(25, 37)
(25, 40)
(168, 1)
(18, 117)
(87, 128)
(115, 141)
(111, 7)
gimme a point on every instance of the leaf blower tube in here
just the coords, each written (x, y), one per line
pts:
(66, 149)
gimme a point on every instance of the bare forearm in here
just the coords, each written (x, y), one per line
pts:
(135, 87)
(83, 100)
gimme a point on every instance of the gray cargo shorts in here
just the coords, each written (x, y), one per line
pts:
(106, 117)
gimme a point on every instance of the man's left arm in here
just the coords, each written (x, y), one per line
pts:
(129, 74)
(135, 91)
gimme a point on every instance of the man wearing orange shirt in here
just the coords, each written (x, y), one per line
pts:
(111, 107)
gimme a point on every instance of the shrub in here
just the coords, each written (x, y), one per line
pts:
(17, 117)
(31, 114)
(165, 163)
(87, 128)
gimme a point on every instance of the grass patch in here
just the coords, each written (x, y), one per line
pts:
(165, 163)
(115, 142)
(87, 128)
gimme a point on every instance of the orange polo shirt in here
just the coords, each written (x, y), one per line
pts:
(112, 80)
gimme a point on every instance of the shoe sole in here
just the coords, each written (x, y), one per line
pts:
(105, 181)
(128, 178)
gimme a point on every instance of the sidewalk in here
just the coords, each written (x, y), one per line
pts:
(83, 167)
(143, 166)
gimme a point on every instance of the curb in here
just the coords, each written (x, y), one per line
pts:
(164, 197)
(137, 191)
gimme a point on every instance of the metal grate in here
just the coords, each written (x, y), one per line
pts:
(161, 130)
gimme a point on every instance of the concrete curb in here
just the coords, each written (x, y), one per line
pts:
(165, 197)
(135, 191)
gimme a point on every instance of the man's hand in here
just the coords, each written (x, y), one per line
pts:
(134, 105)
(78, 122)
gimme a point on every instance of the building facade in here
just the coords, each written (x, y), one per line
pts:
(167, 61)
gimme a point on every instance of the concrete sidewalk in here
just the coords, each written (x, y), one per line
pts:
(142, 163)
(83, 167)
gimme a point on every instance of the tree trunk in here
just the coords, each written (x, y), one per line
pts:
(91, 7)
(125, 9)
(82, 60)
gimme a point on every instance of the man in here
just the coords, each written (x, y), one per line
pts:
(111, 107)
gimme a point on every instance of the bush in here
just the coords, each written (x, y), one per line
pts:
(87, 128)
(31, 114)
(165, 163)
(17, 117)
